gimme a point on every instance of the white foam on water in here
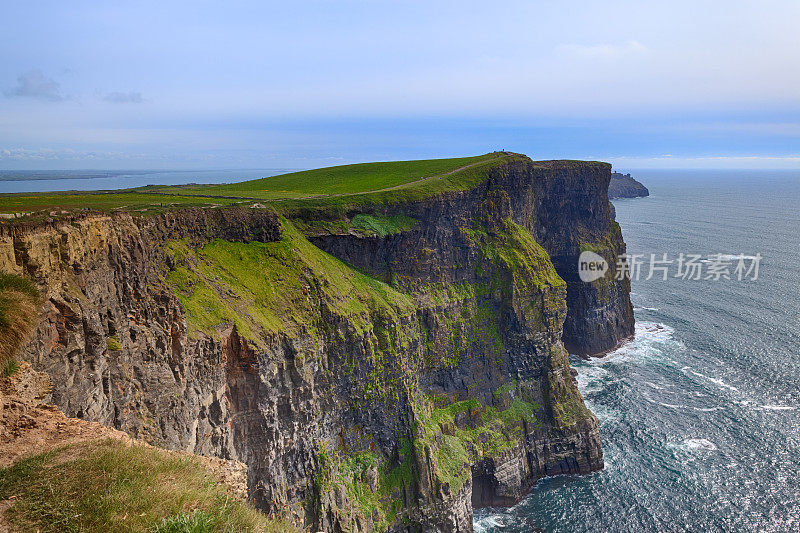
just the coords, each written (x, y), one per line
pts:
(778, 407)
(604, 414)
(487, 522)
(695, 444)
(645, 308)
(707, 409)
(722, 384)
(672, 405)
(700, 444)
(591, 378)
(715, 381)
(647, 342)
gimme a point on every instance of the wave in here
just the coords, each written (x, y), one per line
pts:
(645, 308)
(488, 523)
(778, 407)
(716, 381)
(672, 405)
(649, 340)
(694, 445)
(699, 444)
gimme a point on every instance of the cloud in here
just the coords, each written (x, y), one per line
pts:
(34, 84)
(131, 97)
(604, 51)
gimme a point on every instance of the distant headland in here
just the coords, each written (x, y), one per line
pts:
(624, 186)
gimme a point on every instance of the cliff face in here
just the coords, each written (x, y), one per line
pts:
(625, 186)
(398, 395)
(562, 204)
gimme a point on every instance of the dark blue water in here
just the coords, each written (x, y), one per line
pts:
(700, 415)
(92, 180)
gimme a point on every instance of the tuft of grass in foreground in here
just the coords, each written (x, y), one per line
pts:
(19, 301)
(8, 368)
(107, 485)
(196, 521)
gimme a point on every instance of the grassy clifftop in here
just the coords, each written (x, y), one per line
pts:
(338, 180)
(380, 183)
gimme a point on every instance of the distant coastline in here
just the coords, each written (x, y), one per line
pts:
(23, 181)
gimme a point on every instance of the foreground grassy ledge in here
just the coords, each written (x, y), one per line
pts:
(109, 485)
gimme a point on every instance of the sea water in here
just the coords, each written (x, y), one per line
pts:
(700, 413)
(91, 180)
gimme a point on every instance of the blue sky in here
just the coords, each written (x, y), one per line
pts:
(680, 84)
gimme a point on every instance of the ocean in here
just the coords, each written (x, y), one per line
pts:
(700, 414)
(93, 180)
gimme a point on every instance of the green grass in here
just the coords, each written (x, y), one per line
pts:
(333, 188)
(378, 505)
(275, 287)
(383, 225)
(344, 179)
(414, 190)
(107, 485)
(488, 432)
(100, 201)
(358, 184)
(8, 368)
(19, 302)
(113, 344)
(196, 521)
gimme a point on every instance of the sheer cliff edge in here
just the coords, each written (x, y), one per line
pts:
(385, 360)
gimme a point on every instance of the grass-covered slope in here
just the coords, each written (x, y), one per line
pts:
(108, 485)
(273, 287)
(18, 307)
(383, 182)
(339, 180)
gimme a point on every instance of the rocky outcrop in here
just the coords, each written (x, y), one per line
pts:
(399, 394)
(625, 186)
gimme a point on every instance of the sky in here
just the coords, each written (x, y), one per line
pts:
(303, 84)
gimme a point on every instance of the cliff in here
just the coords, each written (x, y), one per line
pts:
(375, 364)
(624, 186)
